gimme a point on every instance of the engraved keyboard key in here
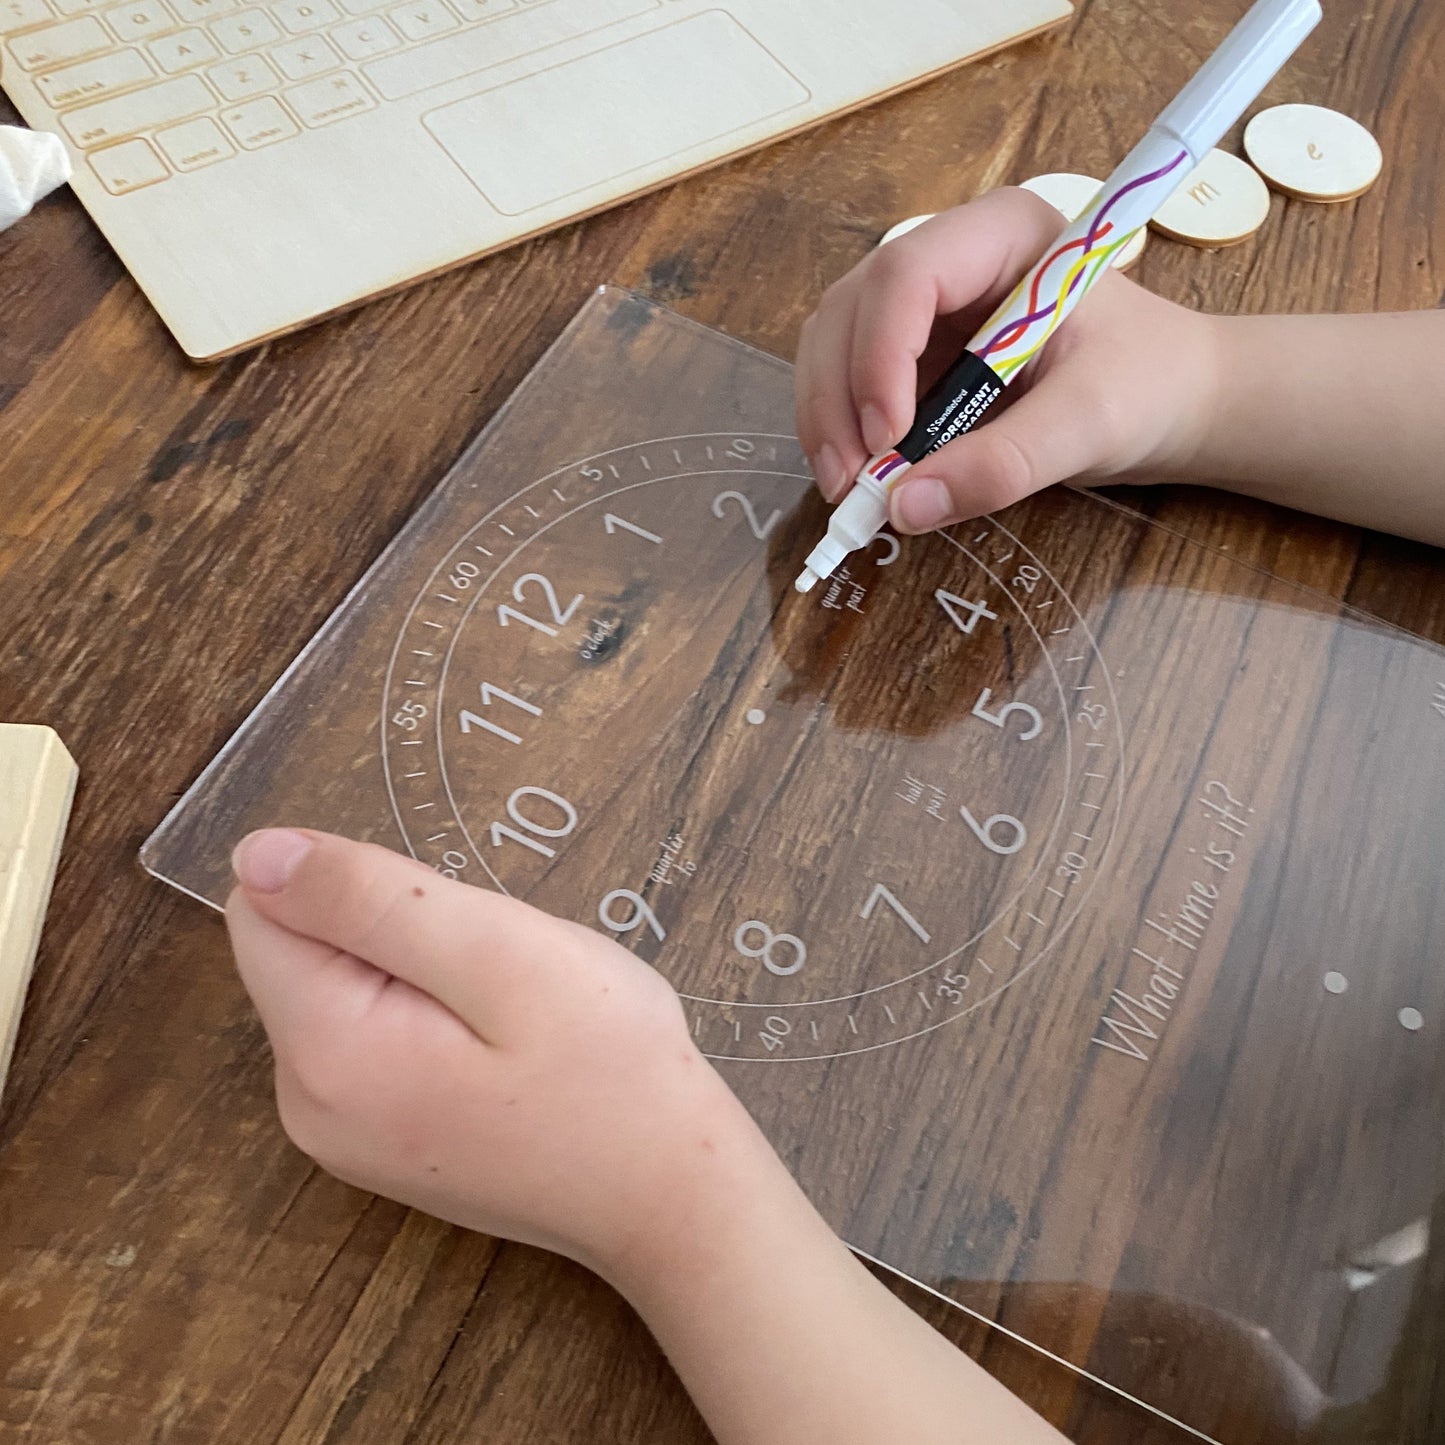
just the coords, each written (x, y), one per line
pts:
(77, 7)
(301, 59)
(472, 10)
(181, 51)
(177, 99)
(140, 20)
(241, 79)
(22, 14)
(363, 38)
(259, 123)
(423, 19)
(195, 144)
(323, 101)
(301, 16)
(361, 7)
(247, 31)
(91, 79)
(468, 52)
(67, 41)
(196, 12)
(128, 167)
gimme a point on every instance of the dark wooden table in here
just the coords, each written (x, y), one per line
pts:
(170, 1268)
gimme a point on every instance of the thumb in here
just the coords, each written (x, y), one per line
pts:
(1049, 434)
(479, 953)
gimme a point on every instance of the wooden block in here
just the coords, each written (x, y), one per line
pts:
(1220, 203)
(1313, 153)
(37, 782)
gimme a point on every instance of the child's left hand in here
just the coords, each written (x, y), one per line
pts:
(467, 1054)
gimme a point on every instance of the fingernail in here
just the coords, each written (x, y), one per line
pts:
(921, 505)
(265, 861)
(828, 469)
(876, 432)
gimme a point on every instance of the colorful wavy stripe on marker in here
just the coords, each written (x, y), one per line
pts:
(883, 467)
(1040, 320)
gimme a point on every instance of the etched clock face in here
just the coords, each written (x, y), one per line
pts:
(833, 821)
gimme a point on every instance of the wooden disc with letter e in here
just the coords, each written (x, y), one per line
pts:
(1313, 153)
(1219, 203)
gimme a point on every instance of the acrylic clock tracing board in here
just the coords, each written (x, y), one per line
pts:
(1061, 896)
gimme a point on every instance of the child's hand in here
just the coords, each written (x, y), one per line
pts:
(1125, 386)
(464, 1053)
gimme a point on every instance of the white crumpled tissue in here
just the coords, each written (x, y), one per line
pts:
(32, 164)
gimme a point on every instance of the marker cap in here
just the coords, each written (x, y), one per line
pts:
(1232, 78)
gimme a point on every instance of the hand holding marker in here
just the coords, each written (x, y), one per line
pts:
(1184, 134)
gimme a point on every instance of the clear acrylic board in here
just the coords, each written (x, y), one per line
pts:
(1061, 896)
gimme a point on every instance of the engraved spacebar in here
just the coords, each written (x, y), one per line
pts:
(455, 56)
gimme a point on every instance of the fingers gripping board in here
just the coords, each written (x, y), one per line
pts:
(1061, 896)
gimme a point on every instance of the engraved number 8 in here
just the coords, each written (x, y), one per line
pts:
(770, 941)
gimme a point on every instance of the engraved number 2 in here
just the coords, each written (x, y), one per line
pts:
(760, 530)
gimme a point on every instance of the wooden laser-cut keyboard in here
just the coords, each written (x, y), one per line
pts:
(258, 164)
(150, 88)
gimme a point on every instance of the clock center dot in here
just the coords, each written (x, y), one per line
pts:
(755, 715)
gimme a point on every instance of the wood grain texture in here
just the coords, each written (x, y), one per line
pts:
(170, 1269)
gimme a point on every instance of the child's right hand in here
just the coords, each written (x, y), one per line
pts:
(1125, 387)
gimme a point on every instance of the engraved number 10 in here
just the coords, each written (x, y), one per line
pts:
(537, 830)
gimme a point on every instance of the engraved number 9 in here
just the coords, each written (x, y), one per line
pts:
(640, 913)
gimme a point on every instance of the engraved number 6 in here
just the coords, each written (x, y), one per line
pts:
(988, 832)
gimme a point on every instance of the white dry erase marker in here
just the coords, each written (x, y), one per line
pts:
(1186, 132)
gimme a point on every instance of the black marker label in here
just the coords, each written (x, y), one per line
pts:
(954, 404)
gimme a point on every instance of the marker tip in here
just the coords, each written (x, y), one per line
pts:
(807, 580)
